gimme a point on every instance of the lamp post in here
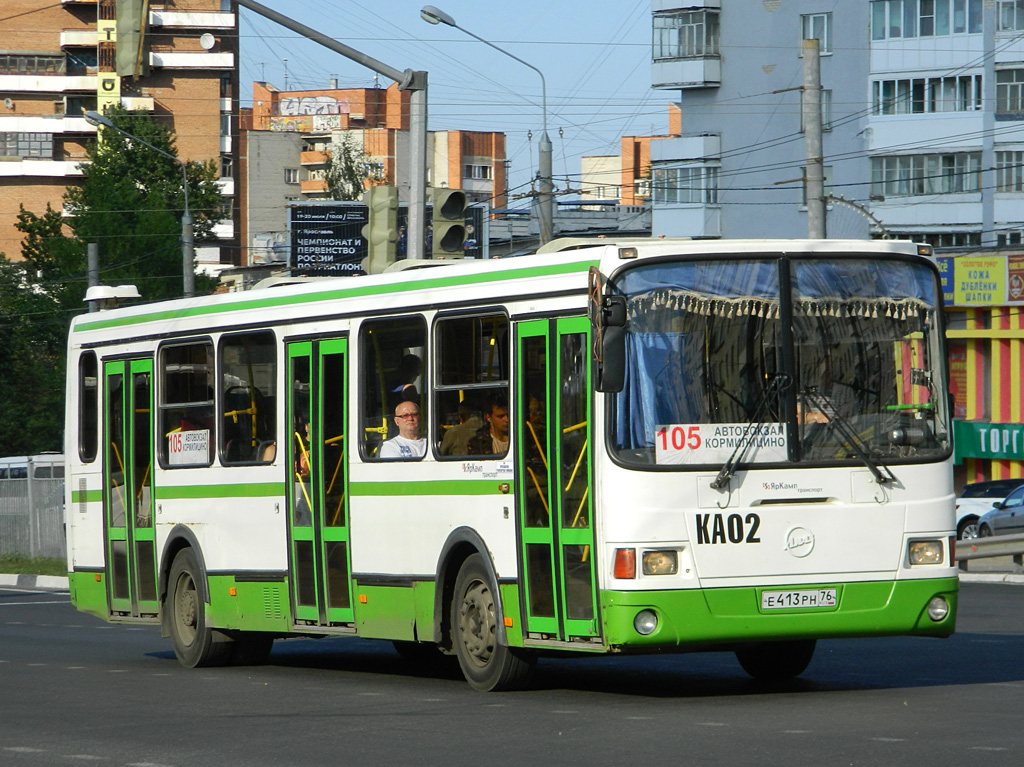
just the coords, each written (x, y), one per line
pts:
(546, 205)
(188, 253)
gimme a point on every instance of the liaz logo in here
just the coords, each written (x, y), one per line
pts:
(778, 486)
(735, 528)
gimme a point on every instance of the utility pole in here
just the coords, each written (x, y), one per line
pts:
(408, 80)
(92, 271)
(811, 114)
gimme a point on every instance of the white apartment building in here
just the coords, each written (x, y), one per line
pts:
(923, 116)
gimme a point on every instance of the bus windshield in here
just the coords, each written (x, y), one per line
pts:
(781, 360)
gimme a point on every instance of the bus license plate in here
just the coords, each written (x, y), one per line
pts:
(784, 600)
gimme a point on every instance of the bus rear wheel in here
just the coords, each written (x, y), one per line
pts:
(195, 644)
(487, 663)
(773, 661)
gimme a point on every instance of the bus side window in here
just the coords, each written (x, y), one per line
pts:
(393, 356)
(88, 406)
(471, 386)
(187, 432)
(248, 398)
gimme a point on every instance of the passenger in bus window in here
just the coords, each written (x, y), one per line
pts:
(406, 390)
(408, 444)
(456, 439)
(492, 437)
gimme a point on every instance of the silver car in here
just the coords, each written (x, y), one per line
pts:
(1006, 517)
(976, 499)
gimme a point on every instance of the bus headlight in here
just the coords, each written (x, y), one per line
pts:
(925, 552)
(645, 622)
(661, 563)
(938, 608)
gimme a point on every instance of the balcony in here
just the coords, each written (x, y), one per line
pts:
(312, 158)
(313, 186)
(79, 38)
(44, 124)
(705, 72)
(192, 19)
(138, 103)
(195, 60)
(39, 168)
(47, 83)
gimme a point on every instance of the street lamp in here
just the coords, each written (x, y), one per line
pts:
(188, 253)
(434, 15)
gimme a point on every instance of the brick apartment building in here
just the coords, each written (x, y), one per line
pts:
(289, 134)
(176, 59)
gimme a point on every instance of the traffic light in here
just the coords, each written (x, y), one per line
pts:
(381, 229)
(449, 223)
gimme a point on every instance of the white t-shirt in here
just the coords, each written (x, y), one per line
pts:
(400, 447)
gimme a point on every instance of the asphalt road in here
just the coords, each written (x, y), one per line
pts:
(77, 691)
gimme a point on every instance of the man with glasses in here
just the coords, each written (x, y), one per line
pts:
(408, 444)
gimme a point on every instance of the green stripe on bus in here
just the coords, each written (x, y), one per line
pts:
(335, 295)
(439, 487)
(246, 490)
(86, 496)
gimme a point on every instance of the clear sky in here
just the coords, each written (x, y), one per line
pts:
(595, 56)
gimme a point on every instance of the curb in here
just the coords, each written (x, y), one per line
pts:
(35, 581)
(1011, 578)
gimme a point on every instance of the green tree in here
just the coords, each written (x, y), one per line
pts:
(130, 203)
(33, 329)
(346, 169)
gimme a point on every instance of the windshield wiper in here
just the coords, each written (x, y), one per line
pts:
(821, 404)
(779, 383)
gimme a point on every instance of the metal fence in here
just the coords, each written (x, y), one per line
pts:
(32, 517)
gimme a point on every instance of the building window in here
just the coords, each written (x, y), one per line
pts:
(375, 171)
(32, 64)
(1009, 237)
(1010, 171)
(225, 124)
(926, 95)
(477, 172)
(945, 239)
(895, 19)
(908, 175)
(642, 188)
(227, 166)
(24, 145)
(694, 185)
(683, 34)
(1010, 92)
(291, 175)
(1009, 14)
(818, 26)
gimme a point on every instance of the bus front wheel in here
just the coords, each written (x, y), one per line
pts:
(772, 661)
(195, 644)
(487, 663)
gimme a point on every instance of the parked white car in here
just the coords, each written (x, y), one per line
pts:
(976, 499)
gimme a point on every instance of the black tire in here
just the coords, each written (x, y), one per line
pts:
(772, 661)
(251, 648)
(195, 644)
(967, 529)
(984, 531)
(487, 664)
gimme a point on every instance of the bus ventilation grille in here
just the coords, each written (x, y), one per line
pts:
(272, 603)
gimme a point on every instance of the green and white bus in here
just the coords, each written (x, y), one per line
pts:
(711, 445)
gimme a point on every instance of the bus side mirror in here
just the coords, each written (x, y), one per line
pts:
(610, 345)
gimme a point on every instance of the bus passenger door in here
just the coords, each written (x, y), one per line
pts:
(553, 479)
(318, 482)
(128, 487)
